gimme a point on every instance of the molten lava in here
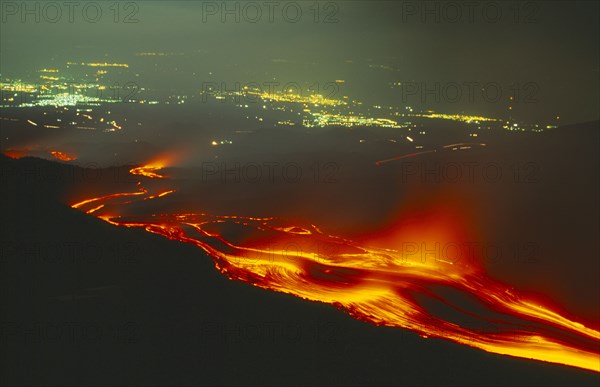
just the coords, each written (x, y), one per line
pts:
(63, 156)
(147, 171)
(428, 294)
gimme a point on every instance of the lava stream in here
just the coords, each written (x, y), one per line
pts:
(378, 285)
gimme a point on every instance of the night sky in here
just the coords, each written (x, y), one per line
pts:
(546, 50)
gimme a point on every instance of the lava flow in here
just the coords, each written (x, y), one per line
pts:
(434, 297)
(147, 171)
(63, 156)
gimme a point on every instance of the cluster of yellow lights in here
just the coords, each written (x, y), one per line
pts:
(154, 54)
(457, 117)
(99, 64)
(286, 123)
(328, 119)
(18, 86)
(55, 92)
(290, 96)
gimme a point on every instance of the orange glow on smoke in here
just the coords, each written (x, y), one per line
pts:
(407, 276)
(15, 153)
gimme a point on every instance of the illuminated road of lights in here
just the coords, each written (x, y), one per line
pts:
(377, 285)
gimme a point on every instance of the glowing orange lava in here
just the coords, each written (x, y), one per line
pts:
(428, 294)
(63, 156)
(147, 171)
